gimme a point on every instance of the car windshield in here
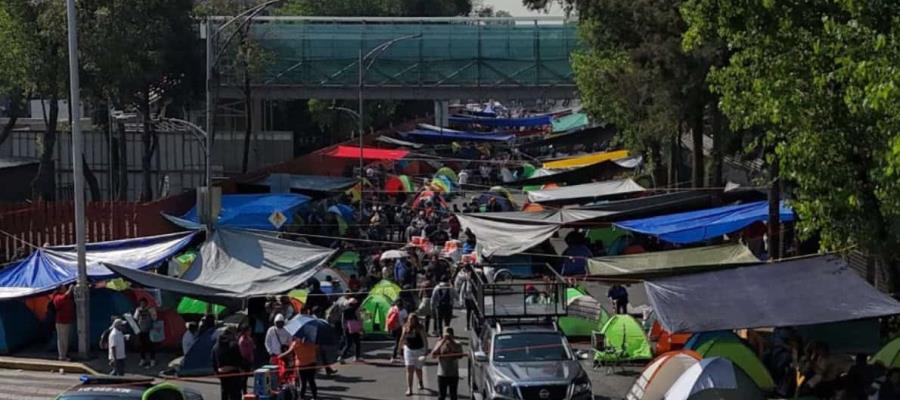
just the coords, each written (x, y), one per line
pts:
(530, 347)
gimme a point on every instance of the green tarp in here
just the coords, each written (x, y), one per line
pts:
(190, 305)
(387, 289)
(639, 266)
(623, 340)
(889, 355)
(570, 122)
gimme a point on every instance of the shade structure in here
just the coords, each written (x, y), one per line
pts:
(889, 355)
(604, 170)
(429, 136)
(585, 192)
(238, 265)
(788, 293)
(368, 153)
(48, 268)
(660, 374)
(249, 211)
(583, 160)
(526, 122)
(672, 262)
(320, 184)
(697, 226)
(741, 356)
(624, 340)
(713, 378)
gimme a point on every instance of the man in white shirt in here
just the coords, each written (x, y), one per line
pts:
(278, 339)
(116, 344)
(463, 178)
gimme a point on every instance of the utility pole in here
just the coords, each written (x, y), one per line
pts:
(82, 290)
(359, 112)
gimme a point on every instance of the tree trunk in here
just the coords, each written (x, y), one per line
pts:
(674, 152)
(774, 223)
(91, 179)
(147, 157)
(15, 109)
(44, 184)
(122, 188)
(248, 128)
(718, 136)
(656, 159)
(697, 167)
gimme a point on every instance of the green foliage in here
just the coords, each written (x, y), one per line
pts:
(821, 78)
(377, 8)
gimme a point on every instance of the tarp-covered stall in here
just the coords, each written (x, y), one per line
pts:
(248, 211)
(603, 170)
(429, 136)
(368, 153)
(237, 265)
(585, 192)
(51, 267)
(646, 265)
(307, 184)
(697, 226)
(797, 292)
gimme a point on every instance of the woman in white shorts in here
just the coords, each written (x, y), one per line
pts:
(415, 346)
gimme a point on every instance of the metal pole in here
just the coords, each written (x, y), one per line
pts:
(81, 294)
(209, 124)
(362, 185)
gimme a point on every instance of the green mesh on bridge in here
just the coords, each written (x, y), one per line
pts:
(449, 53)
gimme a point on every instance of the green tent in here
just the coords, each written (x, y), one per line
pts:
(189, 305)
(387, 289)
(449, 173)
(623, 340)
(889, 355)
(586, 315)
(375, 309)
(346, 262)
(527, 170)
(739, 354)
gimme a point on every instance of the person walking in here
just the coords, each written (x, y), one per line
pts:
(228, 363)
(277, 339)
(352, 330)
(447, 351)
(415, 345)
(396, 318)
(442, 301)
(116, 345)
(248, 353)
(64, 304)
(304, 356)
(145, 316)
(464, 283)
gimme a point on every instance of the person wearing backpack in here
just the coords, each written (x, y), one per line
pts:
(442, 299)
(145, 316)
(394, 324)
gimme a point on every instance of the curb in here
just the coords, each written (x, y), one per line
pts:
(36, 364)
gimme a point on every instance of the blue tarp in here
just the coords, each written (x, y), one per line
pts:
(344, 211)
(49, 268)
(539, 120)
(198, 360)
(250, 211)
(18, 326)
(701, 225)
(450, 136)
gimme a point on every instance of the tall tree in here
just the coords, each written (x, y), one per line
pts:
(820, 79)
(13, 80)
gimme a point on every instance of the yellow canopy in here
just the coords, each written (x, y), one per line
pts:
(588, 159)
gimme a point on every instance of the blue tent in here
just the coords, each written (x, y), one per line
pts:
(198, 360)
(455, 136)
(106, 305)
(315, 331)
(485, 198)
(249, 211)
(540, 120)
(18, 326)
(697, 226)
(344, 211)
(51, 267)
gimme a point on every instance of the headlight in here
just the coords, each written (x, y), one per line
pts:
(582, 384)
(505, 389)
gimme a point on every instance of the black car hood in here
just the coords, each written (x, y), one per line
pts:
(538, 371)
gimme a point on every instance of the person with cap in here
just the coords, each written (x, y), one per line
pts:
(116, 345)
(447, 351)
(277, 339)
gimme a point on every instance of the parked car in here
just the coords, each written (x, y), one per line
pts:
(126, 388)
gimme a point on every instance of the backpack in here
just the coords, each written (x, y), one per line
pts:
(445, 299)
(393, 319)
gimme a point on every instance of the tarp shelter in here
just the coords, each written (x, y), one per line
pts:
(698, 226)
(572, 137)
(238, 265)
(398, 142)
(198, 360)
(375, 309)
(48, 268)
(623, 340)
(189, 305)
(889, 355)
(368, 153)
(714, 378)
(508, 233)
(657, 204)
(661, 263)
(585, 159)
(585, 314)
(601, 171)
(429, 136)
(740, 355)
(18, 326)
(248, 211)
(570, 122)
(307, 184)
(526, 122)
(105, 304)
(803, 291)
(660, 374)
(585, 192)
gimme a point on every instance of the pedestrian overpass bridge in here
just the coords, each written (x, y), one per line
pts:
(436, 59)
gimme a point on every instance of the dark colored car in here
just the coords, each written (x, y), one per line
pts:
(124, 388)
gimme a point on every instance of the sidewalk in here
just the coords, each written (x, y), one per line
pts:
(36, 358)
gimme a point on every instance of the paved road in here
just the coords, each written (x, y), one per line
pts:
(28, 385)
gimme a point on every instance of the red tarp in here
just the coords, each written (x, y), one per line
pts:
(368, 153)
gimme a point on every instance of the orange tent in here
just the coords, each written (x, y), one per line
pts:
(38, 306)
(533, 207)
(666, 341)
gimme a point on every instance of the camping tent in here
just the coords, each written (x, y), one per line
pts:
(375, 309)
(248, 211)
(889, 355)
(585, 314)
(189, 305)
(198, 360)
(18, 326)
(644, 265)
(734, 350)
(713, 378)
(585, 192)
(387, 289)
(398, 184)
(660, 374)
(623, 340)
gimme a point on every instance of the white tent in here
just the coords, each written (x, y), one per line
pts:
(659, 376)
(714, 378)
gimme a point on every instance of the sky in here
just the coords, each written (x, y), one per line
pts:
(516, 8)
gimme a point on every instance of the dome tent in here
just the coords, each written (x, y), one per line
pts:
(731, 347)
(586, 315)
(660, 374)
(375, 309)
(889, 355)
(624, 340)
(713, 378)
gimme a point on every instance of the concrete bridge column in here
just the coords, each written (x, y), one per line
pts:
(441, 112)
